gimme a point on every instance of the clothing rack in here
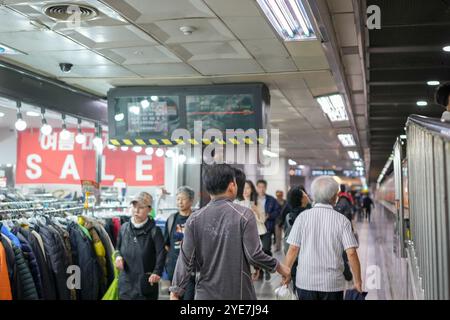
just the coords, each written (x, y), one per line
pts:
(45, 210)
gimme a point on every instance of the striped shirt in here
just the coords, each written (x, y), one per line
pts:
(322, 235)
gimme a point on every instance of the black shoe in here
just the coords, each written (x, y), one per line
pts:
(267, 276)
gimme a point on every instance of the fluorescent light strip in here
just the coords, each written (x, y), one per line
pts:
(354, 155)
(334, 107)
(289, 18)
(347, 140)
(357, 163)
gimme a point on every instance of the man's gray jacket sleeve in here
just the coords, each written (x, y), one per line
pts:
(253, 249)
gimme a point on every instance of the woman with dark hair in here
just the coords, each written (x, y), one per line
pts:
(298, 202)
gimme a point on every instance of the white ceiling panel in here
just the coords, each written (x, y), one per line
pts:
(307, 55)
(101, 37)
(290, 81)
(145, 11)
(267, 48)
(360, 109)
(358, 99)
(247, 28)
(300, 98)
(168, 31)
(277, 64)
(361, 122)
(234, 8)
(356, 82)
(158, 81)
(11, 21)
(212, 50)
(320, 83)
(352, 64)
(162, 69)
(340, 6)
(141, 55)
(99, 72)
(29, 41)
(227, 66)
(345, 29)
(316, 117)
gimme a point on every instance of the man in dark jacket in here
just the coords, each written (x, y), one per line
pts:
(272, 210)
(140, 253)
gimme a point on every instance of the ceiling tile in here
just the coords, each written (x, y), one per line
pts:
(234, 8)
(246, 28)
(168, 31)
(352, 64)
(345, 29)
(320, 83)
(339, 6)
(158, 82)
(356, 82)
(266, 48)
(300, 98)
(12, 21)
(277, 64)
(141, 55)
(211, 50)
(227, 66)
(162, 69)
(145, 11)
(29, 41)
(307, 55)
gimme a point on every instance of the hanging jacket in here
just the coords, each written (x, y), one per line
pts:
(142, 257)
(30, 258)
(84, 256)
(12, 267)
(56, 260)
(109, 252)
(99, 250)
(10, 235)
(48, 283)
(5, 285)
(25, 278)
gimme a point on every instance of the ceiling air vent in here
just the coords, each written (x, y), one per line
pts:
(70, 11)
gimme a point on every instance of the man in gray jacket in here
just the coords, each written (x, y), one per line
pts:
(220, 242)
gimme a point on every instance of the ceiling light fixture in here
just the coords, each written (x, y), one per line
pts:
(124, 148)
(182, 158)
(2, 114)
(289, 18)
(98, 141)
(334, 107)
(422, 103)
(20, 123)
(446, 48)
(46, 129)
(119, 117)
(270, 154)
(292, 162)
(187, 30)
(145, 104)
(137, 149)
(159, 152)
(169, 153)
(64, 134)
(80, 138)
(358, 163)
(135, 109)
(433, 83)
(354, 155)
(347, 140)
(33, 114)
(154, 98)
(149, 151)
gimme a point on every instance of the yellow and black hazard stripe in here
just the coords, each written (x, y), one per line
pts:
(193, 142)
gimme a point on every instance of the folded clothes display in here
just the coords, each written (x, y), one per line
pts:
(55, 254)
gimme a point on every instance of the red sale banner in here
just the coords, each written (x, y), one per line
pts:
(57, 159)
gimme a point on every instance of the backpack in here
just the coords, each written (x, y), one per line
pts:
(345, 207)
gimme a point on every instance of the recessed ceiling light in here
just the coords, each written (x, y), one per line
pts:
(446, 48)
(433, 83)
(119, 117)
(2, 114)
(422, 103)
(33, 114)
(347, 140)
(334, 107)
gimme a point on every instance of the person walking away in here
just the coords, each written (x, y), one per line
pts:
(272, 210)
(317, 238)
(298, 202)
(221, 241)
(174, 234)
(367, 205)
(140, 254)
(278, 222)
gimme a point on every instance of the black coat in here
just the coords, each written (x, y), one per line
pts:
(142, 257)
(28, 287)
(30, 257)
(83, 255)
(56, 260)
(49, 287)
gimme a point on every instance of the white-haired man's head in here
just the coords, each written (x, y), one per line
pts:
(324, 190)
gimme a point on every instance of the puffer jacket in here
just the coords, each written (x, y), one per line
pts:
(107, 243)
(143, 253)
(30, 258)
(48, 288)
(25, 278)
(5, 285)
(84, 256)
(56, 260)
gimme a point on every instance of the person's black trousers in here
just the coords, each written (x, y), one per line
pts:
(317, 295)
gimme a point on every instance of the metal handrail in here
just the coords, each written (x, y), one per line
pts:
(434, 125)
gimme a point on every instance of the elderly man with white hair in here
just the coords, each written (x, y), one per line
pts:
(318, 237)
